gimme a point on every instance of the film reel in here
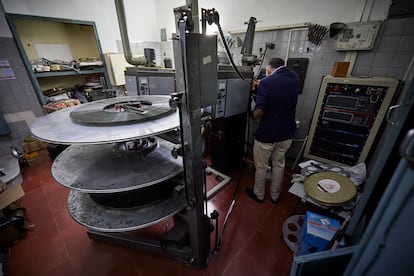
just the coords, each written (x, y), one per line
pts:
(330, 188)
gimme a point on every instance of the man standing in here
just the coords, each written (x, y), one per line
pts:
(275, 108)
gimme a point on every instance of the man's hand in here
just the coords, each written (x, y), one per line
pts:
(257, 114)
(255, 84)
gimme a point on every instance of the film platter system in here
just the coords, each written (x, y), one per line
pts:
(123, 171)
(113, 155)
(122, 177)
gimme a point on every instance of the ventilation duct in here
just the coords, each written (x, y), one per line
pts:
(129, 57)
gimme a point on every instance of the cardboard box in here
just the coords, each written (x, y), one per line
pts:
(31, 144)
(10, 195)
(61, 104)
(31, 155)
(340, 69)
(317, 231)
(37, 158)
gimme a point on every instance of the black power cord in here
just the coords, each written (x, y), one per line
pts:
(230, 209)
(212, 16)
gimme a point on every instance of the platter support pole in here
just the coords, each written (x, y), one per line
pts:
(196, 74)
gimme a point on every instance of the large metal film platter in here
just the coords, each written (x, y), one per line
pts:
(103, 169)
(59, 128)
(93, 215)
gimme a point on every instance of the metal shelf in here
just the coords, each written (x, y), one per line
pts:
(68, 73)
(28, 30)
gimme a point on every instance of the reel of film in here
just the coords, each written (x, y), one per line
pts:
(330, 188)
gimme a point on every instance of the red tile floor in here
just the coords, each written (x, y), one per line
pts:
(57, 245)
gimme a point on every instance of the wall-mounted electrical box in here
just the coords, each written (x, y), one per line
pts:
(358, 36)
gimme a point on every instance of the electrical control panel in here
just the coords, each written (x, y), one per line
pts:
(358, 36)
(221, 99)
(143, 88)
(149, 81)
(232, 93)
(347, 118)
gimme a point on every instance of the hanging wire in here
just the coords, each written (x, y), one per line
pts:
(212, 16)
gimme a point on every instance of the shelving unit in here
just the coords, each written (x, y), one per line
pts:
(60, 37)
(69, 73)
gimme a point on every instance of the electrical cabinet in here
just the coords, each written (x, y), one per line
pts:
(149, 81)
(347, 118)
(59, 54)
(228, 127)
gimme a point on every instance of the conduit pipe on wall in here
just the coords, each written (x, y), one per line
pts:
(129, 57)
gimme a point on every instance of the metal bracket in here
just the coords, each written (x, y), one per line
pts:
(407, 148)
(184, 14)
(390, 112)
(224, 180)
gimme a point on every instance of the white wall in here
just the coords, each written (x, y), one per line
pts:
(141, 16)
(165, 14)
(234, 13)
(145, 18)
